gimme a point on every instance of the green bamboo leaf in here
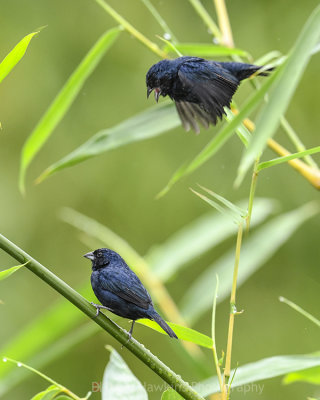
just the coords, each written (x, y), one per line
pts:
(205, 50)
(183, 333)
(62, 398)
(15, 55)
(267, 58)
(283, 89)
(242, 132)
(160, 20)
(198, 237)
(260, 370)
(300, 310)
(171, 394)
(155, 121)
(47, 394)
(310, 375)
(119, 382)
(41, 333)
(223, 135)
(284, 159)
(63, 101)
(256, 250)
(7, 272)
(236, 213)
(55, 347)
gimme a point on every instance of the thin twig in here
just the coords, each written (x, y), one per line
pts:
(213, 334)
(252, 192)
(224, 23)
(47, 378)
(160, 20)
(131, 29)
(197, 5)
(233, 309)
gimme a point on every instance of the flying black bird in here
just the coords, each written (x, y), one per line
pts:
(120, 290)
(200, 88)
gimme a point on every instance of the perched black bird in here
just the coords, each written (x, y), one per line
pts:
(199, 87)
(120, 290)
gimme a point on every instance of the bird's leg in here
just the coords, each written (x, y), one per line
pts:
(131, 330)
(98, 306)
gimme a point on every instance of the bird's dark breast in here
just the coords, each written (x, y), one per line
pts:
(179, 92)
(116, 304)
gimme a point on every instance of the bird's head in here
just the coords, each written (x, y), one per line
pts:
(160, 77)
(102, 257)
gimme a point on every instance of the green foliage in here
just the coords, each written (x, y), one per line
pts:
(256, 250)
(119, 382)
(198, 237)
(310, 375)
(63, 101)
(205, 50)
(15, 55)
(170, 394)
(281, 160)
(48, 394)
(47, 338)
(222, 136)
(53, 390)
(266, 368)
(287, 79)
(183, 333)
(300, 310)
(7, 272)
(150, 123)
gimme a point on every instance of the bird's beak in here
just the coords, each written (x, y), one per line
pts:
(149, 90)
(157, 92)
(89, 255)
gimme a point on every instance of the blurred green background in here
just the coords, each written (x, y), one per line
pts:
(118, 188)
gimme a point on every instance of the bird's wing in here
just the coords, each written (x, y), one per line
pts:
(124, 283)
(210, 88)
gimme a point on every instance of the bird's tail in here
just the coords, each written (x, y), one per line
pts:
(156, 317)
(243, 71)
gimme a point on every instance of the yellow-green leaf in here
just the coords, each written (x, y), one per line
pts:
(183, 333)
(283, 89)
(15, 55)
(7, 272)
(63, 101)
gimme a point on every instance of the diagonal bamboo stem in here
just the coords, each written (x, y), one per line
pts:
(109, 326)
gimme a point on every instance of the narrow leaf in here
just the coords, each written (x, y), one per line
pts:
(15, 55)
(43, 331)
(198, 237)
(283, 90)
(171, 394)
(153, 122)
(45, 354)
(260, 370)
(310, 375)
(228, 204)
(223, 135)
(119, 382)
(63, 101)
(205, 50)
(47, 394)
(256, 250)
(300, 310)
(280, 160)
(7, 272)
(183, 333)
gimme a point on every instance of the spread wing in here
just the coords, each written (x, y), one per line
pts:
(125, 284)
(209, 89)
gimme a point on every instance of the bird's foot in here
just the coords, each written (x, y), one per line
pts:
(98, 307)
